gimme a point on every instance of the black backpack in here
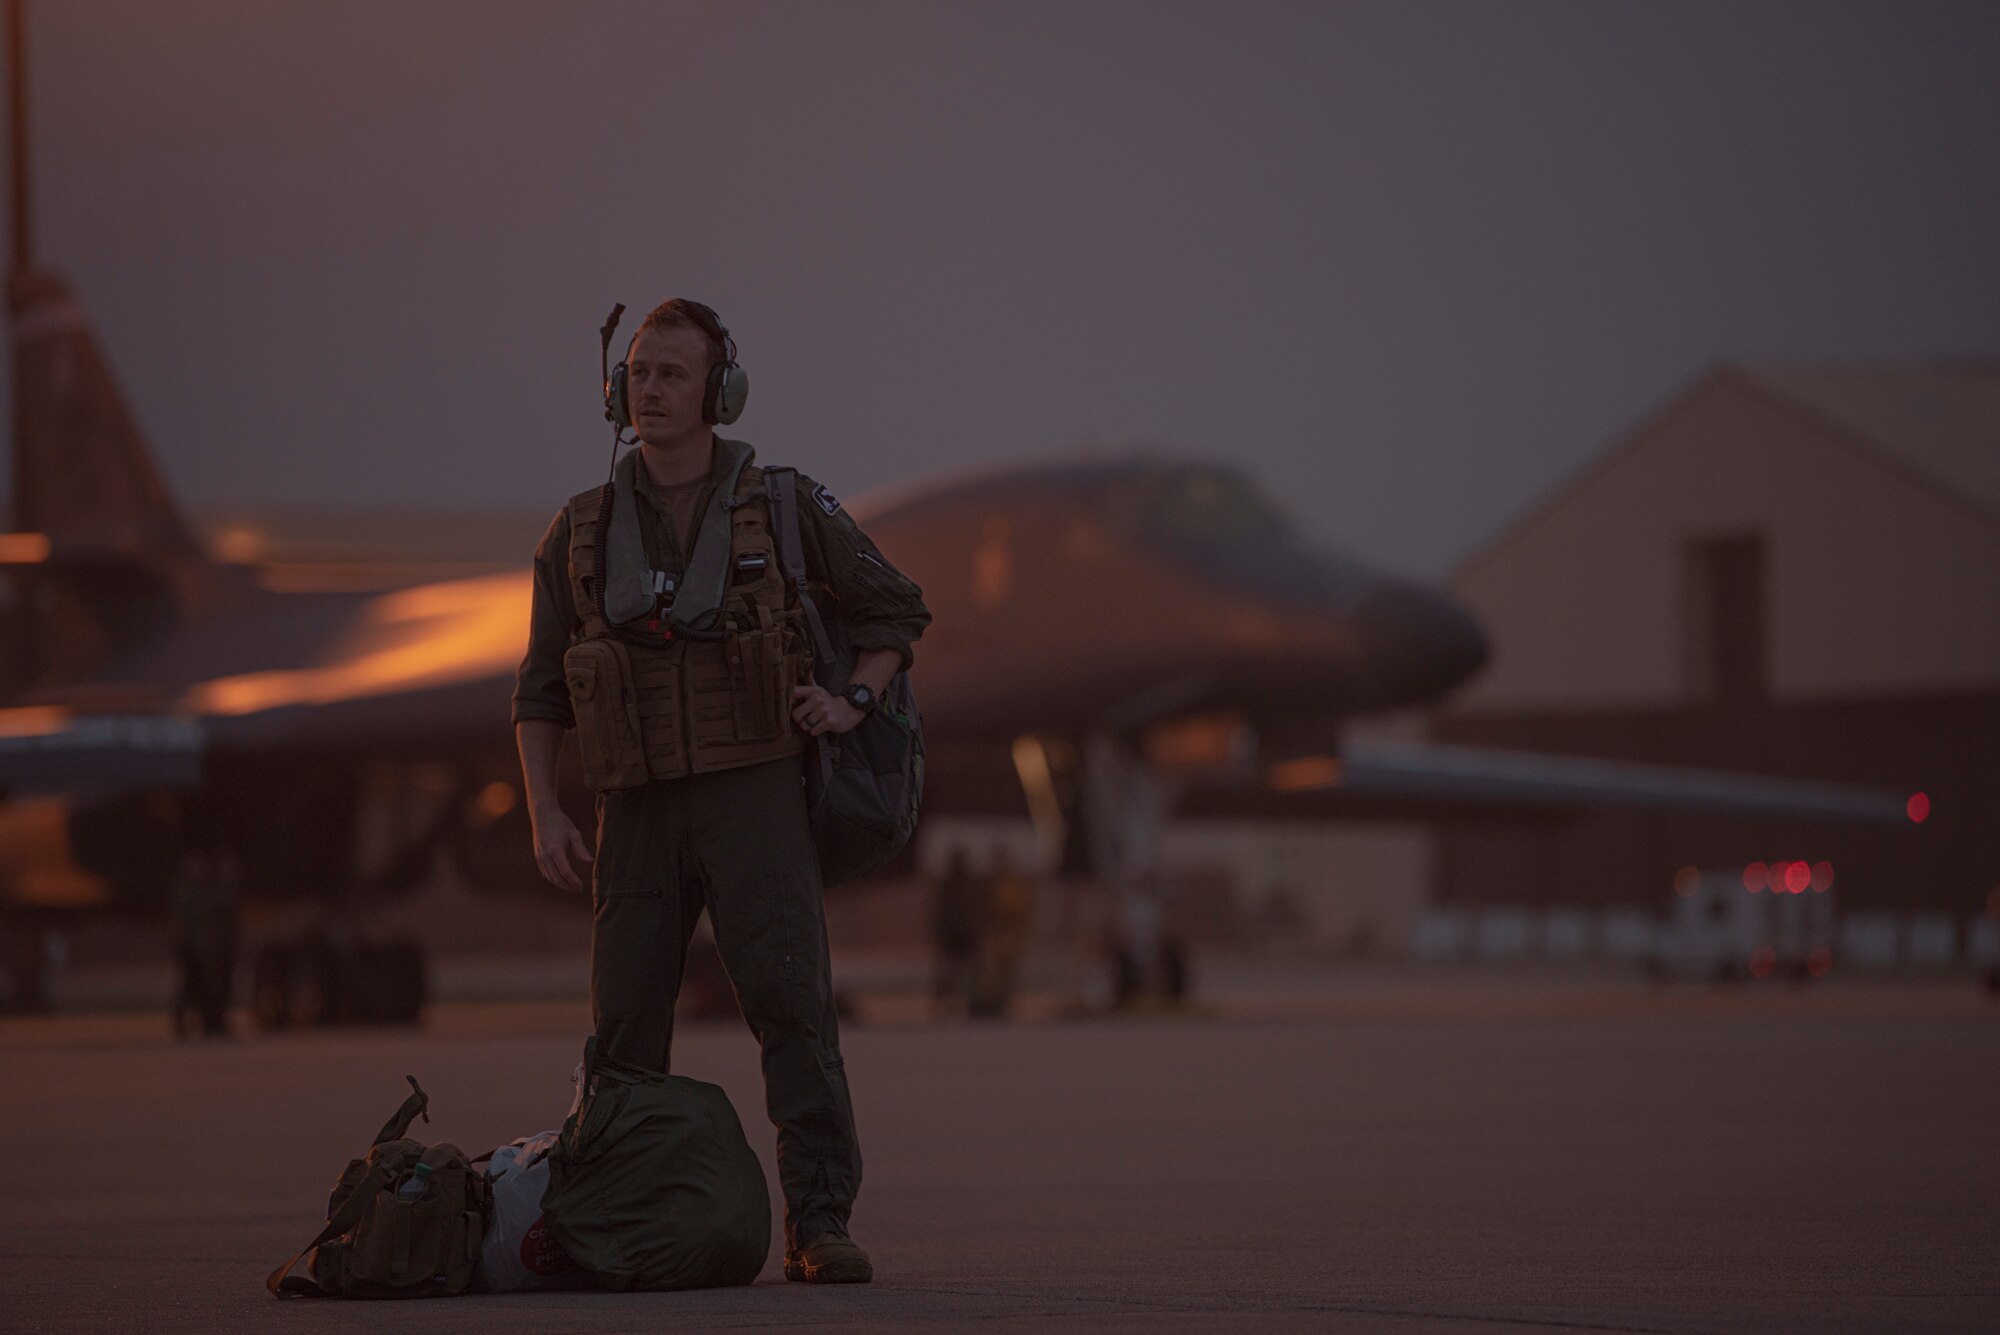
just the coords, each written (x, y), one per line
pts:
(862, 787)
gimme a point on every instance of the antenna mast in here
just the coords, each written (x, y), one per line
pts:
(17, 97)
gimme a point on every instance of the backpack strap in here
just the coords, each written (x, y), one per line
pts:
(782, 485)
(282, 1282)
(398, 1126)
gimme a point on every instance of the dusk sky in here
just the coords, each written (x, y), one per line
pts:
(1408, 264)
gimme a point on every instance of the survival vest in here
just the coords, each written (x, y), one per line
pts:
(658, 700)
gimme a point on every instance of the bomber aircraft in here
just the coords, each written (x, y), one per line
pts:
(1109, 636)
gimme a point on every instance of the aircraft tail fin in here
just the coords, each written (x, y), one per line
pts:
(83, 476)
(120, 563)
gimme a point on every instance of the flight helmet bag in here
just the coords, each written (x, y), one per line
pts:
(864, 786)
(381, 1243)
(652, 1184)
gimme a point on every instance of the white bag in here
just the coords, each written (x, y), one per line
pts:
(518, 1252)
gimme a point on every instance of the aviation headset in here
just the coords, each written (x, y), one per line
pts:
(728, 384)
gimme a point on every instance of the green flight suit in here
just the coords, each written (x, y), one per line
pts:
(735, 842)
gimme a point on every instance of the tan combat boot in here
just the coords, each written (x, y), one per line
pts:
(830, 1260)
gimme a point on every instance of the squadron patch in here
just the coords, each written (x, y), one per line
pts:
(827, 500)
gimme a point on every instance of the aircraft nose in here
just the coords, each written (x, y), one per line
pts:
(1412, 644)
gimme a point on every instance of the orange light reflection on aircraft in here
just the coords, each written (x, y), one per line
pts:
(495, 800)
(1037, 775)
(1247, 628)
(1201, 742)
(38, 860)
(993, 563)
(1305, 774)
(241, 544)
(432, 635)
(33, 721)
(23, 549)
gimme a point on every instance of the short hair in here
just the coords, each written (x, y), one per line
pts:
(680, 313)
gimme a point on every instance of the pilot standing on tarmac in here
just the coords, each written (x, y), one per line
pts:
(661, 599)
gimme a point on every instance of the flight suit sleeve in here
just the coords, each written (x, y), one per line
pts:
(883, 607)
(540, 691)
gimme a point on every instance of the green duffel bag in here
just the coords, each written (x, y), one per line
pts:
(652, 1185)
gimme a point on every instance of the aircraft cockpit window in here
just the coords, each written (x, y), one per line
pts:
(1195, 503)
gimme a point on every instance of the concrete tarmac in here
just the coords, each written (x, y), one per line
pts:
(1683, 1162)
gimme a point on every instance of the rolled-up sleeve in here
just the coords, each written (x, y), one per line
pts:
(883, 607)
(540, 691)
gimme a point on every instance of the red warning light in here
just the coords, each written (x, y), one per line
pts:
(1797, 877)
(1822, 877)
(1755, 877)
(1918, 808)
(1762, 960)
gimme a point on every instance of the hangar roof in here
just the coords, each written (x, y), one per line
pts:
(1942, 421)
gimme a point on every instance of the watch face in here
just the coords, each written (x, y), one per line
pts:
(860, 696)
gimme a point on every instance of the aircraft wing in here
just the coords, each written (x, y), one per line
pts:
(50, 749)
(1430, 772)
(426, 666)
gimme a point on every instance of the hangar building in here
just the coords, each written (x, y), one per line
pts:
(1784, 570)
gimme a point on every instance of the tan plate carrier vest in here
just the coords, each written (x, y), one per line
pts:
(651, 707)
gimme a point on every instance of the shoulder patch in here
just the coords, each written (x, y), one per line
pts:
(826, 500)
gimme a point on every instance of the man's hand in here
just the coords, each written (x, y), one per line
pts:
(556, 841)
(818, 712)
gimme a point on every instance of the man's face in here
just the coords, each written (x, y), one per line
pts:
(666, 376)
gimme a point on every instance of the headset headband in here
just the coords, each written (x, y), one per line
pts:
(710, 324)
(727, 386)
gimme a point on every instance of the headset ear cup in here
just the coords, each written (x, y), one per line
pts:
(616, 406)
(728, 391)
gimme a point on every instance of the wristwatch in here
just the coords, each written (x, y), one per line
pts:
(859, 696)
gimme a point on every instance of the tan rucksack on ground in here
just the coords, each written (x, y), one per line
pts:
(377, 1244)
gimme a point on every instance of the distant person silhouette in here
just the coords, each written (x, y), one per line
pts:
(955, 911)
(204, 937)
(1006, 916)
